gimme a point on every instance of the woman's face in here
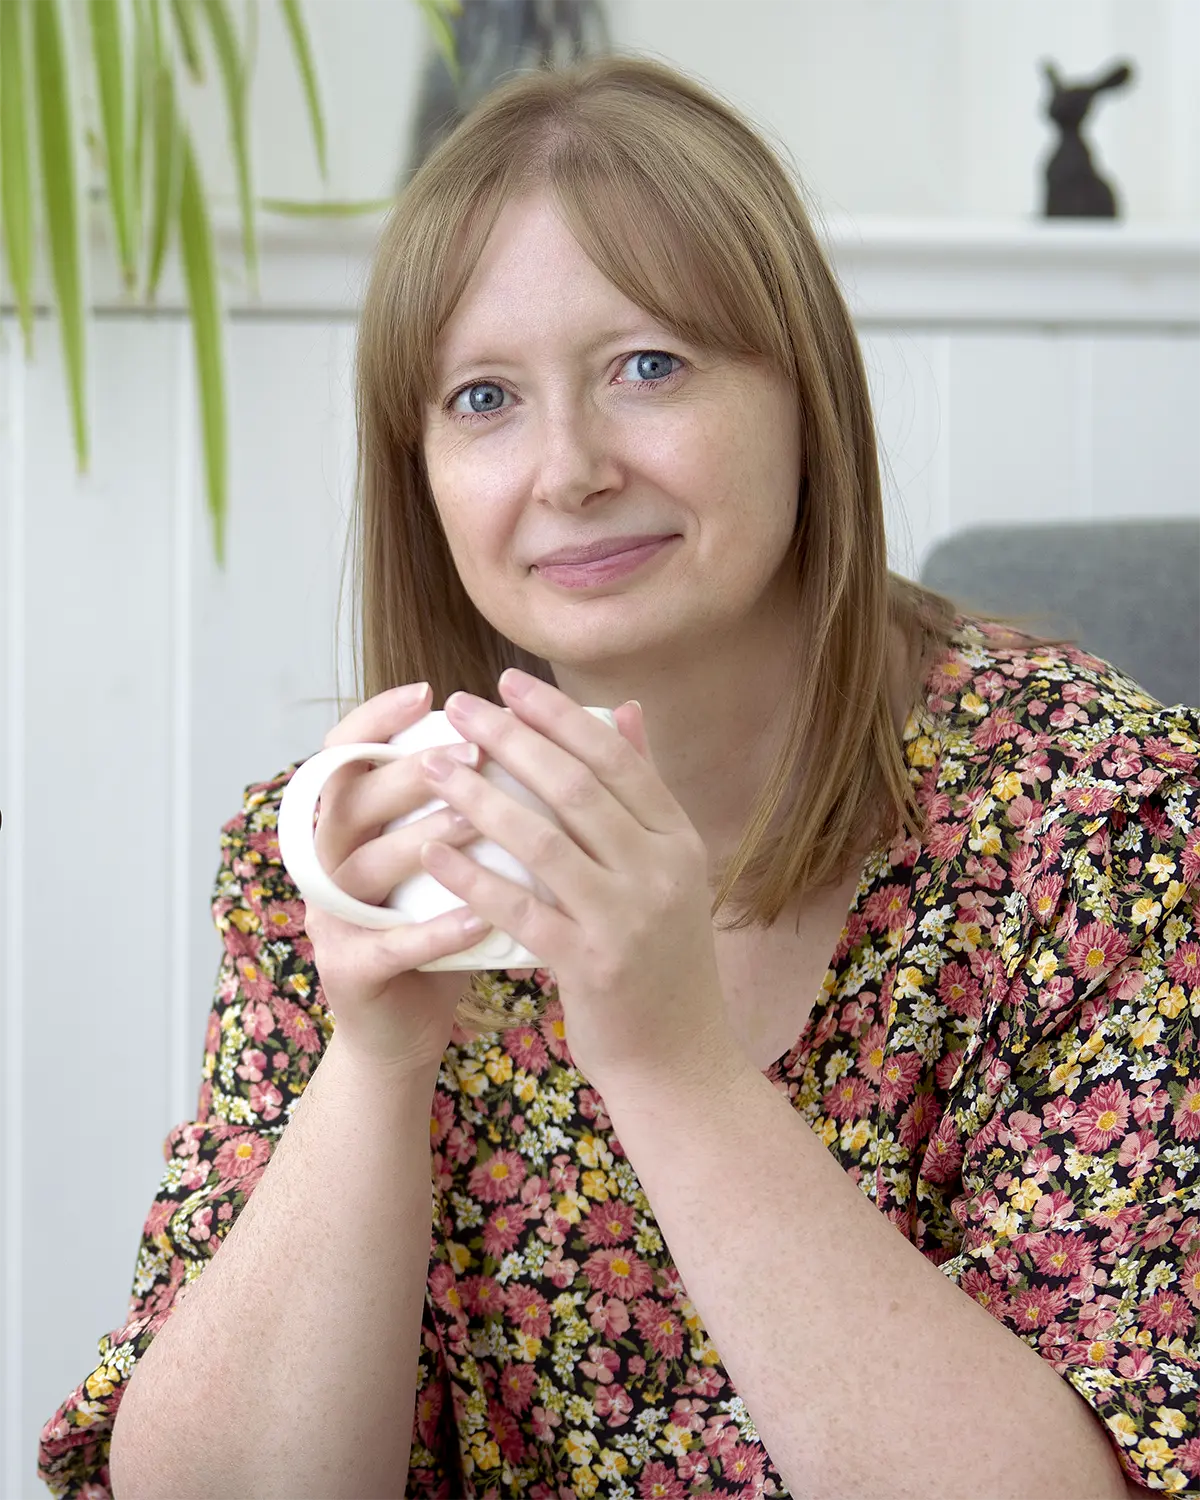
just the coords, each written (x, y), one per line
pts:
(565, 414)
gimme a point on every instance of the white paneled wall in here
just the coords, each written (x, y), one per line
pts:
(1016, 375)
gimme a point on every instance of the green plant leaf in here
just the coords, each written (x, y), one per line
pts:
(435, 13)
(16, 189)
(60, 195)
(167, 138)
(189, 37)
(143, 91)
(298, 32)
(204, 301)
(237, 98)
(333, 208)
(108, 55)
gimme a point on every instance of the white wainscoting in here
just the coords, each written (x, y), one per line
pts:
(1019, 371)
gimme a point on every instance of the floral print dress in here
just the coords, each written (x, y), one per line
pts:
(1003, 1056)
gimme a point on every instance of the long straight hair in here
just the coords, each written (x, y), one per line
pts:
(683, 207)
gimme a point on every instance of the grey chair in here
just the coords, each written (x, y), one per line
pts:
(1126, 591)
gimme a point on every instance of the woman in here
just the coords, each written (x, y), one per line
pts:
(870, 919)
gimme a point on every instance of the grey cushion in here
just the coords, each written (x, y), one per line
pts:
(1127, 591)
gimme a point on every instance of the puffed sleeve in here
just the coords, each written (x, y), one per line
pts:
(266, 1033)
(1080, 1203)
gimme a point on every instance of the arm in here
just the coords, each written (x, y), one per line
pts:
(257, 1238)
(860, 1363)
(290, 1366)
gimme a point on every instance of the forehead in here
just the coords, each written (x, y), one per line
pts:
(532, 274)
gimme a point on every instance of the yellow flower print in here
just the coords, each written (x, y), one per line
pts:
(498, 1068)
(973, 703)
(1147, 1029)
(486, 1453)
(1045, 967)
(1171, 1422)
(1174, 894)
(1146, 911)
(828, 1131)
(1173, 1002)
(1007, 787)
(595, 1184)
(579, 1446)
(243, 919)
(100, 1382)
(1120, 1424)
(585, 1481)
(1066, 1076)
(1024, 1194)
(922, 752)
(460, 1257)
(1161, 866)
(526, 1346)
(987, 841)
(525, 1087)
(855, 1136)
(592, 1152)
(1154, 1453)
(610, 1465)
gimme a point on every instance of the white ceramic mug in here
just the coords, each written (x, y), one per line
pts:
(421, 896)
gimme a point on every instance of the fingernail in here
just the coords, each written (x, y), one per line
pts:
(411, 692)
(467, 753)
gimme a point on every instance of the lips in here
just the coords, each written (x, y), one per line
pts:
(598, 550)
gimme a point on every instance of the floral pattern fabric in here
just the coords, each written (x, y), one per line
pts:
(1003, 1057)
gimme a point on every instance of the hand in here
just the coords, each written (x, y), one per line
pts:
(631, 942)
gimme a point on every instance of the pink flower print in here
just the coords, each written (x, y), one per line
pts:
(1184, 966)
(916, 1121)
(1053, 1210)
(524, 1044)
(1186, 1119)
(283, 919)
(850, 1099)
(944, 1154)
(497, 1179)
(257, 1021)
(958, 990)
(1096, 949)
(986, 1292)
(1101, 1117)
(658, 1482)
(660, 1325)
(1036, 1306)
(1056, 1254)
(743, 1465)
(516, 1385)
(601, 1364)
(871, 1053)
(608, 1223)
(441, 1118)
(247, 1153)
(528, 1310)
(251, 980)
(613, 1404)
(608, 1315)
(620, 1273)
(899, 1076)
(501, 1232)
(1189, 1278)
(266, 1101)
(886, 908)
(1167, 1313)
(1137, 1153)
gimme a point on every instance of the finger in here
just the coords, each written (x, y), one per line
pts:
(373, 870)
(392, 789)
(361, 959)
(382, 716)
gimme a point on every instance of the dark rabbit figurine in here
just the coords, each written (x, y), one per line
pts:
(1074, 189)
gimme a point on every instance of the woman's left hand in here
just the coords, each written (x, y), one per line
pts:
(631, 941)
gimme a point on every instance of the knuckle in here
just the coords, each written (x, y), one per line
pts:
(579, 789)
(549, 845)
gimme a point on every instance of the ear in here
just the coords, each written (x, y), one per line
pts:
(1119, 75)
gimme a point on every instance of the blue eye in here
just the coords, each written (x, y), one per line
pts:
(652, 364)
(482, 398)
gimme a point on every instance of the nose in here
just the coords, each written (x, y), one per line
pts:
(576, 457)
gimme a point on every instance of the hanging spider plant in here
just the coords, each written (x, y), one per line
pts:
(139, 50)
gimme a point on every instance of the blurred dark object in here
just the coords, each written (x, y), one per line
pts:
(492, 39)
(1126, 591)
(1074, 189)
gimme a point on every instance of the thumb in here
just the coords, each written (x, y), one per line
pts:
(632, 726)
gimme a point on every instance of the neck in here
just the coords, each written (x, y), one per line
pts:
(715, 718)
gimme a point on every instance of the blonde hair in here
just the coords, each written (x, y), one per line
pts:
(689, 213)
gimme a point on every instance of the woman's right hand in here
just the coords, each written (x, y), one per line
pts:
(388, 1016)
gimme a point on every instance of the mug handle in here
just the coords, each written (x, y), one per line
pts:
(298, 847)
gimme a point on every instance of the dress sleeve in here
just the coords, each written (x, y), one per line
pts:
(266, 1033)
(1080, 1202)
